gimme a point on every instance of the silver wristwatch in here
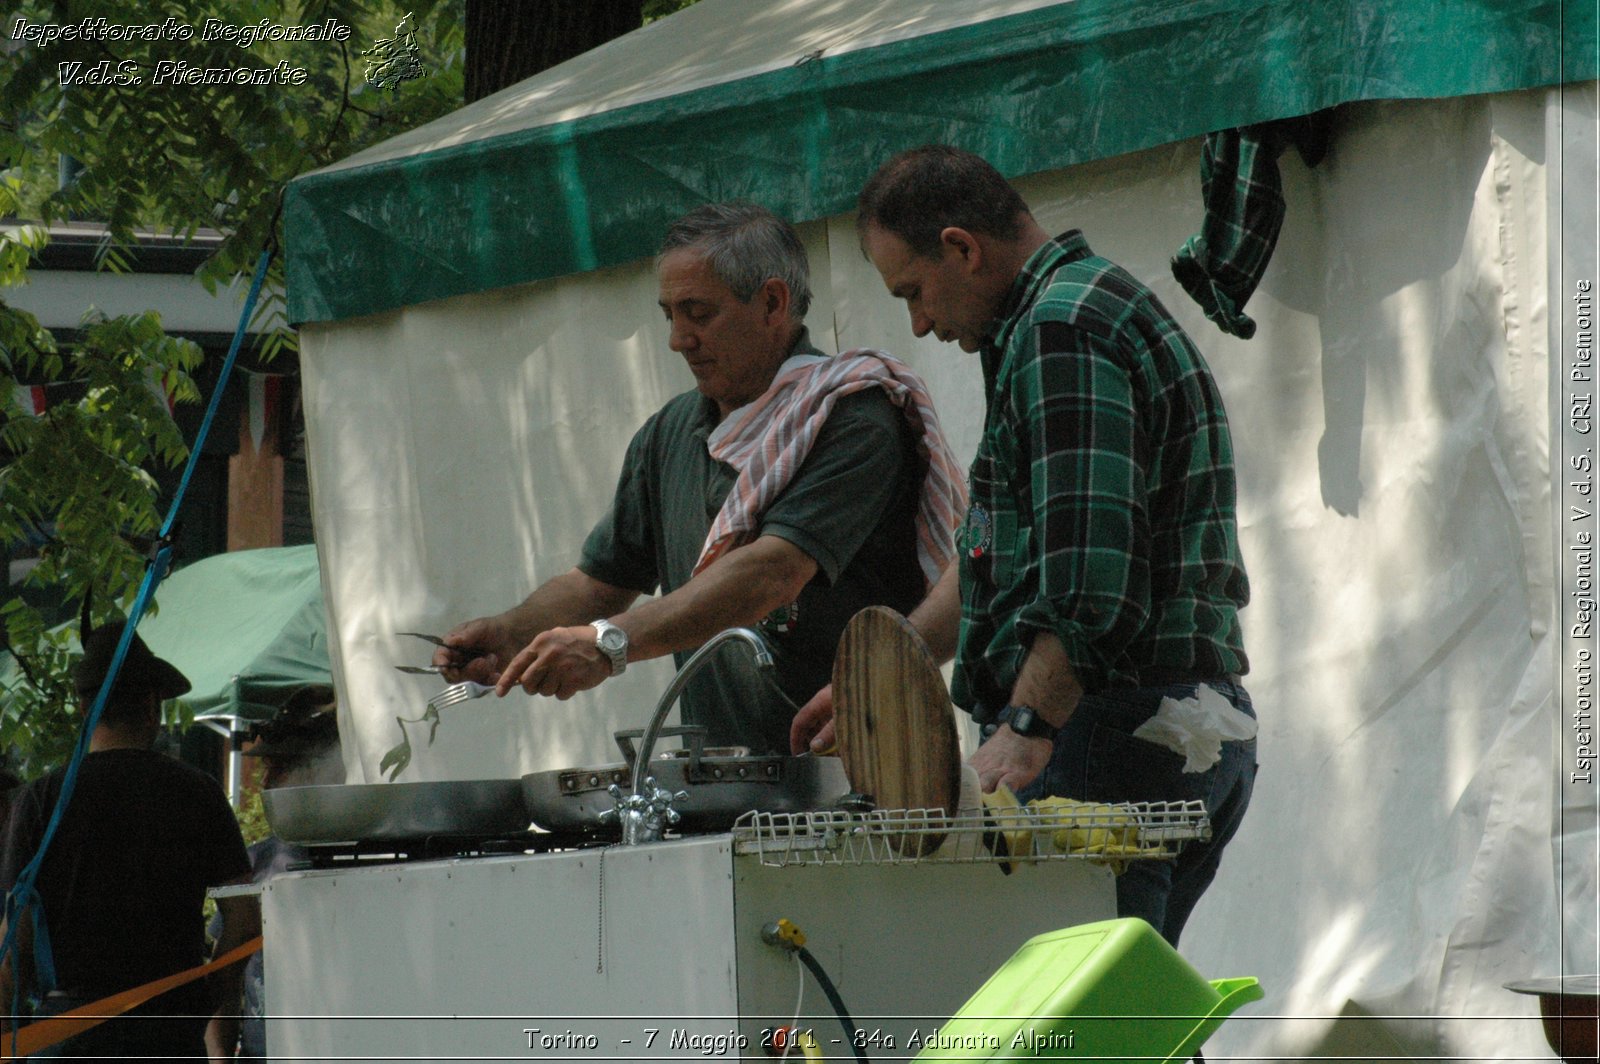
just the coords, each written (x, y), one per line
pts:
(613, 643)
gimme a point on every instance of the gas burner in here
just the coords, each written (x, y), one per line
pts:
(438, 847)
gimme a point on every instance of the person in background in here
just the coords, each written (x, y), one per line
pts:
(1100, 576)
(789, 490)
(123, 884)
(299, 747)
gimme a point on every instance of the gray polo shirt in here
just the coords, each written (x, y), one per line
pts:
(851, 508)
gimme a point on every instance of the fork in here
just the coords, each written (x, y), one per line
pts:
(459, 692)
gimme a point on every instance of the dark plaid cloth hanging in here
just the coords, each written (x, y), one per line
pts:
(1221, 265)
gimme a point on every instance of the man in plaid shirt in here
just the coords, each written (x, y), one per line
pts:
(1099, 563)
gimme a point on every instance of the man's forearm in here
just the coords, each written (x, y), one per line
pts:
(222, 1036)
(572, 598)
(487, 648)
(740, 588)
(241, 922)
(1047, 681)
(938, 618)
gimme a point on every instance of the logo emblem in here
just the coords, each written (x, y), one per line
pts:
(391, 61)
(782, 620)
(977, 532)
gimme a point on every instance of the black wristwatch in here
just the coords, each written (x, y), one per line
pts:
(1026, 722)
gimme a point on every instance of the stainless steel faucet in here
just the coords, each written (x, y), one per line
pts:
(646, 812)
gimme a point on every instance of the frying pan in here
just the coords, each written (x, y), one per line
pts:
(720, 783)
(372, 812)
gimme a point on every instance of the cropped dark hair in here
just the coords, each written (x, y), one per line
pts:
(919, 193)
(745, 245)
(126, 705)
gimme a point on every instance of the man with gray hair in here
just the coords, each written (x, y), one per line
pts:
(787, 491)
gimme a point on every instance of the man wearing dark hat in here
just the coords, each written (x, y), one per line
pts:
(299, 747)
(123, 883)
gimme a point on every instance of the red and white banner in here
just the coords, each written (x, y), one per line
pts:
(30, 399)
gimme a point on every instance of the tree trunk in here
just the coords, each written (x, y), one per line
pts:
(509, 40)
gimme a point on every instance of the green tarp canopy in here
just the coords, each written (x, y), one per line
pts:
(248, 628)
(793, 103)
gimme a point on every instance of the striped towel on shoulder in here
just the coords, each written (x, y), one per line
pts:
(767, 441)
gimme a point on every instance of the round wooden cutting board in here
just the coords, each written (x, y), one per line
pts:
(892, 717)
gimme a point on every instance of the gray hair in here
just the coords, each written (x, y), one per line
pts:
(745, 245)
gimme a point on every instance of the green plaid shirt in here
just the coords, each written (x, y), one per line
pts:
(1102, 491)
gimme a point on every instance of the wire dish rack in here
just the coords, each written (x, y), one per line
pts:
(1064, 831)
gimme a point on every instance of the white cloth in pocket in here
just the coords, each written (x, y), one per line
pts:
(1197, 727)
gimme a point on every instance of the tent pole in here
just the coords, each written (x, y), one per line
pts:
(230, 732)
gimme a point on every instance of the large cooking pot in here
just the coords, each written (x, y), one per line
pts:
(720, 784)
(372, 812)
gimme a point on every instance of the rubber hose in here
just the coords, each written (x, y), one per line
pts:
(835, 1000)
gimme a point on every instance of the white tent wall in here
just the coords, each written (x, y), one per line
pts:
(1392, 418)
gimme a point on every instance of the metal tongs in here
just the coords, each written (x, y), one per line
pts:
(466, 654)
(395, 761)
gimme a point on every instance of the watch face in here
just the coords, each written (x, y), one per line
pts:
(1025, 722)
(613, 640)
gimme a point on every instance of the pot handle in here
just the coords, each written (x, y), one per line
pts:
(695, 733)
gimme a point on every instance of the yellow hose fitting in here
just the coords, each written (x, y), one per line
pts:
(783, 934)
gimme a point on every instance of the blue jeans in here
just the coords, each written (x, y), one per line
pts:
(1096, 758)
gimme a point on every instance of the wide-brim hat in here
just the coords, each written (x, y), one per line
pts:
(141, 670)
(307, 724)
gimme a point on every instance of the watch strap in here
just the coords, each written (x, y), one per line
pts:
(614, 647)
(1025, 721)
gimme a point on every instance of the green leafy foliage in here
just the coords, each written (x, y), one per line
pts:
(252, 816)
(651, 10)
(77, 480)
(138, 152)
(163, 153)
(38, 724)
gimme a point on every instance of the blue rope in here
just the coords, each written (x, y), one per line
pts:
(23, 900)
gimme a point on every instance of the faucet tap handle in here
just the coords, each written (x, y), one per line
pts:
(645, 814)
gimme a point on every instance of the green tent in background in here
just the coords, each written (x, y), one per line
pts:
(248, 628)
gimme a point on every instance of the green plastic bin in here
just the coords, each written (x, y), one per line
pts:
(1113, 990)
